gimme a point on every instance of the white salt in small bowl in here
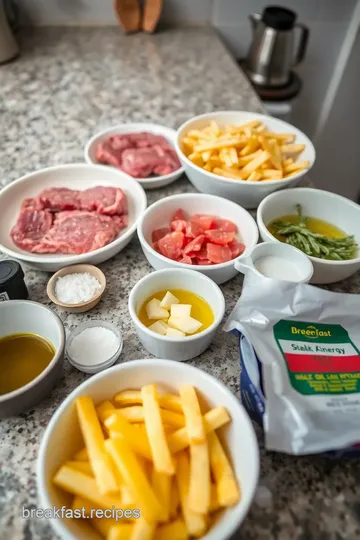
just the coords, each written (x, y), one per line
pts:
(103, 362)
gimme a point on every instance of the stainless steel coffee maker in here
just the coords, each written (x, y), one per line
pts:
(272, 53)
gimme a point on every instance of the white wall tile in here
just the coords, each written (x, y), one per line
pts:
(187, 11)
(236, 38)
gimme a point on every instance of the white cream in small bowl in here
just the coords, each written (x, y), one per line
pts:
(277, 261)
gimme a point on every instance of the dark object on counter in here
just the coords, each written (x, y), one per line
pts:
(9, 49)
(271, 58)
(12, 284)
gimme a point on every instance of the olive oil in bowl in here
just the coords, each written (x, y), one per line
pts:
(22, 358)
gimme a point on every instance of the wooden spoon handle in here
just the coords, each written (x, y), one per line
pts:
(152, 12)
(128, 14)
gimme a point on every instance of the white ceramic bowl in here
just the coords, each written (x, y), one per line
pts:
(25, 317)
(171, 347)
(330, 207)
(248, 194)
(159, 214)
(147, 183)
(283, 252)
(73, 176)
(62, 438)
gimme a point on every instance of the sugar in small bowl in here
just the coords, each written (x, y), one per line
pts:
(77, 288)
(94, 346)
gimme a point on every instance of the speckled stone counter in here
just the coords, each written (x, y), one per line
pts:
(68, 84)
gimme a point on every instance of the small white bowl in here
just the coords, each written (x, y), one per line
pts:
(62, 436)
(74, 176)
(103, 363)
(152, 182)
(283, 252)
(159, 214)
(179, 349)
(316, 203)
(248, 194)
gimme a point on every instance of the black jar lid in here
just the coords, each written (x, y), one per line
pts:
(12, 283)
(279, 18)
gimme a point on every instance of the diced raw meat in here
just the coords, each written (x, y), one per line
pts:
(218, 254)
(218, 237)
(76, 232)
(120, 222)
(194, 245)
(106, 200)
(193, 229)
(179, 214)
(204, 221)
(144, 139)
(201, 254)
(178, 225)
(203, 262)
(60, 199)
(159, 233)
(156, 247)
(171, 245)
(108, 155)
(236, 248)
(225, 225)
(170, 161)
(30, 228)
(185, 260)
(34, 203)
(139, 162)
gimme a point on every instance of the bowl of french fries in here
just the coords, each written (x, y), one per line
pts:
(243, 156)
(149, 449)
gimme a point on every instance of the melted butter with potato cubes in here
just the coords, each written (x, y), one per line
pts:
(200, 309)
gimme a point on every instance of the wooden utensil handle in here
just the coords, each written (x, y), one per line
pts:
(128, 14)
(151, 16)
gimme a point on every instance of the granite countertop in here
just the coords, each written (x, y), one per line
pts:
(67, 84)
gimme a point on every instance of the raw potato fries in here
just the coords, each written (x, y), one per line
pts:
(155, 453)
(247, 152)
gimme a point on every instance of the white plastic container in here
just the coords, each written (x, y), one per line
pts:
(62, 437)
(172, 347)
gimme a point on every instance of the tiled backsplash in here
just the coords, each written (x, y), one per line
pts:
(327, 20)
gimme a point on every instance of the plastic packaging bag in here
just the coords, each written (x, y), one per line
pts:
(305, 375)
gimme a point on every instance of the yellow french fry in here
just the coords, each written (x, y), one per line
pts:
(142, 530)
(134, 478)
(251, 146)
(244, 160)
(172, 531)
(233, 141)
(120, 531)
(271, 174)
(206, 156)
(214, 501)
(80, 503)
(136, 414)
(227, 173)
(283, 138)
(233, 156)
(292, 148)
(153, 416)
(81, 484)
(133, 397)
(161, 484)
(137, 439)
(213, 419)
(81, 455)
(214, 128)
(273, 150)
(195, 522)
(287, 161)
(192, 412)
(104, 409)
(174, 499)
(199, 487)
(196, 158)
(250, 124)
(83, 466)
(94, 441)
(199, 134)
(296, 167)
(228, 491)
(254, 176)
(255, 163)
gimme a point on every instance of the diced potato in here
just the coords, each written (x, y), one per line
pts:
(181, 310)
(83, 466)
(155, 311)
(172, 332)
(227, 488)
(172, 531)
(168, 300)
(189, 325)
(159, 327)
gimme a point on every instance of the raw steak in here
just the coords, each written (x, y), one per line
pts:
(34, 203)
(59, 199)
(76, 232)
(32, 225)
(109, 152)
(104, 200)
(120, 222)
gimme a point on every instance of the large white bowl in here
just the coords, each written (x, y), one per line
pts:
(158, 215)
(320, 204)
(248, 194)
(171, 347)
(62, 438)
(152, 182)
(73, 176)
